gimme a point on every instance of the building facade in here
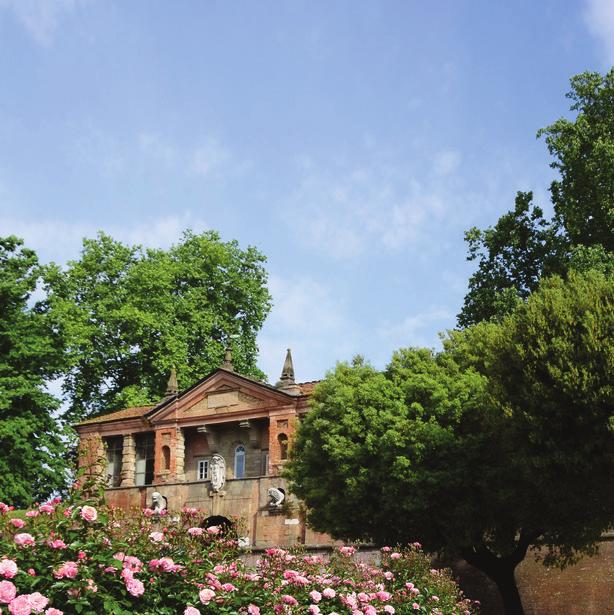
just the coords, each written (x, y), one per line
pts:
(218, 446)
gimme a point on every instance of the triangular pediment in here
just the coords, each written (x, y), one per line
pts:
(223, 392)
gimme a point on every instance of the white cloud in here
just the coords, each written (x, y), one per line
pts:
(208, 158)
(346, 212)
(41, 18)
(312, 320)
(417, 329)
(62, 240)
(599, 17)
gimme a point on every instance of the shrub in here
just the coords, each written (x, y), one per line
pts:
(81, 557)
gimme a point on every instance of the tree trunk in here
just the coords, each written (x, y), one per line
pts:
(501, 571)
(506, 583)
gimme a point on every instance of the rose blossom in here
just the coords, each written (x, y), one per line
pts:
(214, 529)
(47, 509)
(38, 602)
(58, 544)
(329, 592)
(18, 523)
(135, 587)
(315, 595)
(53, 611)
(67, 570)
(89, 513)
(252, 609)
(24, 540)
(156, 537)
(8, 568)
(206, 595)
(195, 531)
(190, 610)
(289, 599)
(20, 605)
(32, 513)
(7, 591)
(389, 609)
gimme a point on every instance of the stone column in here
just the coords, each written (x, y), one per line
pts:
(128, 461)
(179, 455)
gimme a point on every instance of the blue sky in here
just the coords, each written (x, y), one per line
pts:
(352, 142)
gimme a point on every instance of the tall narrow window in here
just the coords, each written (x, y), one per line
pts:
(144, 459)
(283, 445)
(264, 460)
(166, 457)
(114, 448)
(240, 461)
(202, 469)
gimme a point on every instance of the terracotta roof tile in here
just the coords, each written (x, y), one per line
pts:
(307, 387)
(118, 415)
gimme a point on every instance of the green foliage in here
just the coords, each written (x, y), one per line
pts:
(523, 246)
(502, 441)
(84, 558)
(32, 464)
(130, 315)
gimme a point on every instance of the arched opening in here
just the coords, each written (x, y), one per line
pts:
(240, 461)
(166, 458)
(226, 525)
(282, 438)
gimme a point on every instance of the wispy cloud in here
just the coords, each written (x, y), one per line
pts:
(61, 240)
(41, 18)
(347, 211)
(417, 329)
(599, 17)
(310, 318)
(146, 152)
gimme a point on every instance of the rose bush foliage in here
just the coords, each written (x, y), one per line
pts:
(81, 557)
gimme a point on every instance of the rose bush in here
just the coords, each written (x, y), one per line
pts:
(80, 557)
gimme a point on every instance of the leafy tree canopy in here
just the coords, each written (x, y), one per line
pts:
(32, 463)
(503, 441)
(129, 315)
(523, 245)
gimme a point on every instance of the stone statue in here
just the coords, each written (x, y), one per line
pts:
(158, 503)
(277, 497)
(218, 472)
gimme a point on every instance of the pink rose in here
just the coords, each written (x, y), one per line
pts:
(190, 610)
(7, 591)
(4, 508)
(89, 513)
(58, 544)
(18, 523)
(206, 595)
(389, 609)
(195, 531)
(156, 537)
(38, 602)
(329, 592)
(214, 529)
(53, 611)
(395, 555)
(315, 596)
(135, 587)
(314, 609)
(415, 606)
(24, 540)
(68, 570)
(32, 513)
(289, 599)
(229, 587)
(47, 509)
(8, 568)
(20, 605)
(252, 609)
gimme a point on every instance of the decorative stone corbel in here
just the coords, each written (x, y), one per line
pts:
(253, 433)
(212, 437)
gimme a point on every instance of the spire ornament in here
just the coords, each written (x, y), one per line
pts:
(228, 360)
(172, 388)
(286, 382)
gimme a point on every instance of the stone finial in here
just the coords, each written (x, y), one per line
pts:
(286, 382)
(172, 388)
(228, 360)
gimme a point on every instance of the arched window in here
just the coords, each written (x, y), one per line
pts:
(282, 438)
(240, 461)
(166, 458)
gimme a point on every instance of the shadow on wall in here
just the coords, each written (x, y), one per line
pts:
(584, 589)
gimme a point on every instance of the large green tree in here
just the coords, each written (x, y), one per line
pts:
(502, 442)
(524, 245)
(32, 445)
(129, 315)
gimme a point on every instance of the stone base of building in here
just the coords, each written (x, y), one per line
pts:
(245, 500)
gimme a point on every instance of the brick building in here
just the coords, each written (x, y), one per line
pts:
(170, 448)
